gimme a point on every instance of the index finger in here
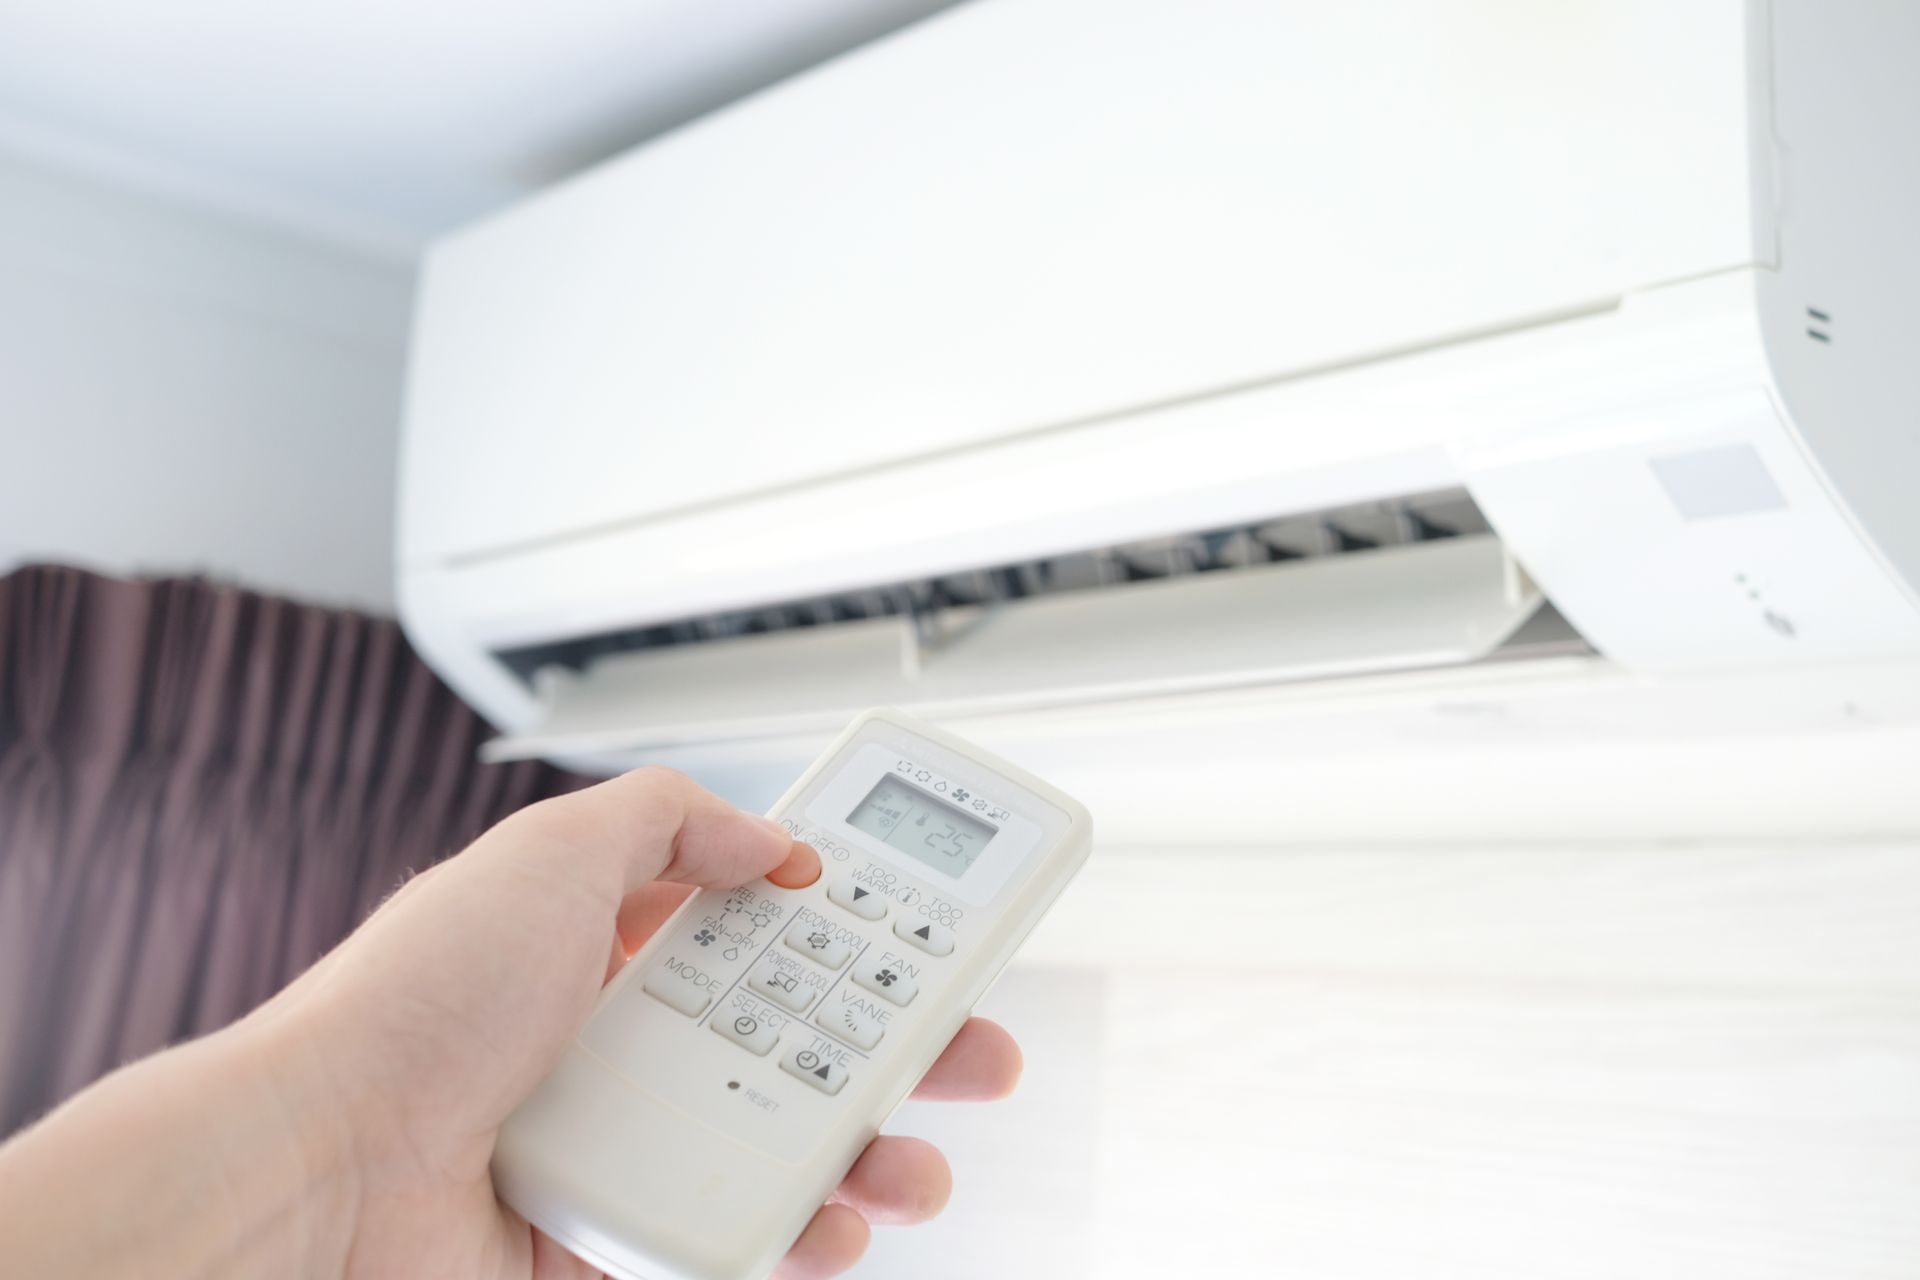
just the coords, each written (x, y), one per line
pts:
(651, 824)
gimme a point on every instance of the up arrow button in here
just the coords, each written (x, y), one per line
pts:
(858, 899)
(926, 935)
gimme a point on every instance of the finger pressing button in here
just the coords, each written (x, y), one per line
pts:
(801, 868)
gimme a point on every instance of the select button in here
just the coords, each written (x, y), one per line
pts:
(746, 1031)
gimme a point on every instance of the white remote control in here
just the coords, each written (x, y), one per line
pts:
(733, 1071)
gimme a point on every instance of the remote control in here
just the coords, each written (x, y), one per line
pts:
(735, 1068)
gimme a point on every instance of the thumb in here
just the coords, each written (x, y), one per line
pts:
(652, 824)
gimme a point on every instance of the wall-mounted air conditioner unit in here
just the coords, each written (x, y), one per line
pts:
(1102, 370)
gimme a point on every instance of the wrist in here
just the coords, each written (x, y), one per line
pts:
(291, 1136)
(215, 1158)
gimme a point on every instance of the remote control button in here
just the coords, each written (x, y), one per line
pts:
(819, 946)
(925, 935)
(823, 1074)
(801, 868)
(858, 899)
(852, 1024)
(746, 1031)
(887, 981)
(678, 991)
(784, 989)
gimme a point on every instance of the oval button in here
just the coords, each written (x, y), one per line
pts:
(924, 934)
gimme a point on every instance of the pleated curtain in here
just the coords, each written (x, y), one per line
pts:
(202, 789)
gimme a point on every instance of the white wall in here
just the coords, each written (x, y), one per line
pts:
(1549, 1063)
(184, 392)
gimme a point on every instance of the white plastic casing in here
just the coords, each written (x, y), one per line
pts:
(1658, 324)
(659, 1149)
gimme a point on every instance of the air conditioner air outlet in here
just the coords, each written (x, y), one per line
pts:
(934, 602)
(1426, 590)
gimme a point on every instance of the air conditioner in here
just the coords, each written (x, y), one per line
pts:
(1208, 380)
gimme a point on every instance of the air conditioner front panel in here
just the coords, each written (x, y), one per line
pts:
(1376, 431)
(1018, 216)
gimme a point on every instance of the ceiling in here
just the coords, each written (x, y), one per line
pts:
(383, 122)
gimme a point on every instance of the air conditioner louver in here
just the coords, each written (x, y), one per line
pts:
(1388, 586)
(1295, 537)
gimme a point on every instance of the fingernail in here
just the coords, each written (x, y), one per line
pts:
(801, 868)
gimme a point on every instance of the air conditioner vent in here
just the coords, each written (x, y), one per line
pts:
(1238, 548)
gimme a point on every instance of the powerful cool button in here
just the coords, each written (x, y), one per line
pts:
(783, 986)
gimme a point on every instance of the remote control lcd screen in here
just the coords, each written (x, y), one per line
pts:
(932, 831)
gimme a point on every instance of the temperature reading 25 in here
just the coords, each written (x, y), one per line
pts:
(926, 827)
(948, 840)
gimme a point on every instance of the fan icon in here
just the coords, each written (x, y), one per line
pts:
(705, 937)
(885, 977)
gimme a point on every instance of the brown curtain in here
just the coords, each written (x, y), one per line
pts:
(201, 790)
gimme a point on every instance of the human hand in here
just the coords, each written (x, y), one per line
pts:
(460, 994)
(348, 1124)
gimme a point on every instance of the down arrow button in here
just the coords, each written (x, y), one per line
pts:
(858, 899)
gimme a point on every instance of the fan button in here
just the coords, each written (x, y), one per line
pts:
(888, 982)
